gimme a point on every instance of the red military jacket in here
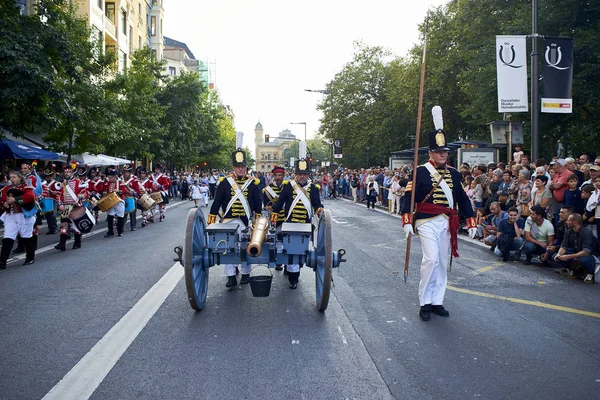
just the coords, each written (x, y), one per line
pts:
(159, 182)
(108, 187)
(63, 197)
(132, 187)
(25, 197)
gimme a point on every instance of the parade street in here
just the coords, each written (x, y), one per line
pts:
(112, 321)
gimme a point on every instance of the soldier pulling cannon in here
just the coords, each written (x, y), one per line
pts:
(242, 236)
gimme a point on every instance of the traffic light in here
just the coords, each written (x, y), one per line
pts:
(266, 138)
(205, 163)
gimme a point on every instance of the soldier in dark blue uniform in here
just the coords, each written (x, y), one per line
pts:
(300, 200)
(270, 195)
(238, 197)
(436, 220)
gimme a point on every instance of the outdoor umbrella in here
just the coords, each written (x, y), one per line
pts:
(114, 160)
(11, 149)
(91, 160)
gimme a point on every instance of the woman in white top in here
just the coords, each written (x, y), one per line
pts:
(195, 192)
(371, 191)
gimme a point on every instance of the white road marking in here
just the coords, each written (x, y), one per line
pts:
(83, 379)
(342, 334)
(338, 222)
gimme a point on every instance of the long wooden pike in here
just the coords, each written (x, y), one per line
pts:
(416, 150)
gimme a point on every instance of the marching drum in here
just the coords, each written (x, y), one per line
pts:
(146, 202)
(157, 197)
(129, 205)
(47, 206)
(109, 201)
(82, 218)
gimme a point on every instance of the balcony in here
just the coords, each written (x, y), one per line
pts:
(110, 28)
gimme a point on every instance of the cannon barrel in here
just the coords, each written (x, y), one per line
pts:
(258, 236)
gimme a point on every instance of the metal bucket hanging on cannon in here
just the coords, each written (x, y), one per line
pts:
(230, 243)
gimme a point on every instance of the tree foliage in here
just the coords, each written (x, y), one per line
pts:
(373, 100)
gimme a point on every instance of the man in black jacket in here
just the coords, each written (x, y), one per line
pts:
(578, 249)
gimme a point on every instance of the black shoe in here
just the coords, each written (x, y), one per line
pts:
(293, 285)
(527, 261)
(119, 234)
(28, 262)
(231, 281)
(76, 246)
(425, 312)
(60, 247)
(285, 270)
(109, 234)
(440, 310)
(505, 257)
(18, 250)
(132, 229)
(245, 279)
(2, 265)
(278, 268)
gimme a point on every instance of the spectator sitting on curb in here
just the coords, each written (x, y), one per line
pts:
(496, 215)
(510, 235)
(560, 230)
(539, 232)
(578, 249)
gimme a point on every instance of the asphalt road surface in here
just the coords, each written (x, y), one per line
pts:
(111, 321)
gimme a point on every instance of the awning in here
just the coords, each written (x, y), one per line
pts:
(11, 149)
(114, 160)
(91, 160)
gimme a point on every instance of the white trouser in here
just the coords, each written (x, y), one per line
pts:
(17, 224)
(204, 197)
(395, 203)
(118, 210)
(293, 268)
(435, 243)
(230, 268)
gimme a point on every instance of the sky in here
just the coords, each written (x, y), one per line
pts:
(267, 52)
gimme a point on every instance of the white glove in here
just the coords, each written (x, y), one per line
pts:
(472, 232)
(408, 229)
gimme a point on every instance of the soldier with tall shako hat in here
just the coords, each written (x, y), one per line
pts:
(300, 200)
(70, 194)
(48, 199)
(238, 196)
(439, 198)
(133, 190)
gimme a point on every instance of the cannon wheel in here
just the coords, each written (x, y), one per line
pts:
(196, 270)
(324, 255)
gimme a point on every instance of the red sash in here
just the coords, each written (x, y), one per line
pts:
(454, 224)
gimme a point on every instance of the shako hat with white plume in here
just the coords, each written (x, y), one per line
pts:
(437, 138)
(238, 157)
(302, 165)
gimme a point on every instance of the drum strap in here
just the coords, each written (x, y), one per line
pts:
(271, 194)
(239, 194)
(301, 195)
(71, 194)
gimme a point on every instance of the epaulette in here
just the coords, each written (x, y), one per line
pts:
(256, 181)
(221, 179)
(285, 182)
(408, 186)
(318, 186)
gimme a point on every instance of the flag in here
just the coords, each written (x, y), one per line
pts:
(557, 82)
(511, 69)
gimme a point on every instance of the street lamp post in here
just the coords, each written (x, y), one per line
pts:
(301, 123)
(368, 149)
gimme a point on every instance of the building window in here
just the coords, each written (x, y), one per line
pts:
(274, 156)
(262, 166)
(161, 24)
(153, 26)
(139, 42)
(109, 11)
(100, 4)
(124, 21)
(140, 9)
(172, 71)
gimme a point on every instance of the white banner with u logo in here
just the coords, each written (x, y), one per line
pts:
(511, 68)
(557, 83)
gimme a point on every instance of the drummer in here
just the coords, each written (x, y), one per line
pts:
(301, 200)
(132, 190)
(270, 196)
(94, 182)
(70, 194)
(16, 197)
(160, 183)
(49, 195)
(238, 196)
(31, 179)
(146, 185)
(113, 185)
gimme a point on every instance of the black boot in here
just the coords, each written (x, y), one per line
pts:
(425, 312)
(7, 245)
(111, 221)
(231, 281)
(245, 279)
(63, 242)
(293, 278)
(77, 243)
(120, 226)
(20, 246)
(29, 250)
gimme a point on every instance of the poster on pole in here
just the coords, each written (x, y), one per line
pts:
(337, 148)
(557, 81)
(511, 69)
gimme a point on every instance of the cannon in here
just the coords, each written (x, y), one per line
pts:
(233, 243)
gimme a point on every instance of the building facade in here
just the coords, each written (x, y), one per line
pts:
(271, 151)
